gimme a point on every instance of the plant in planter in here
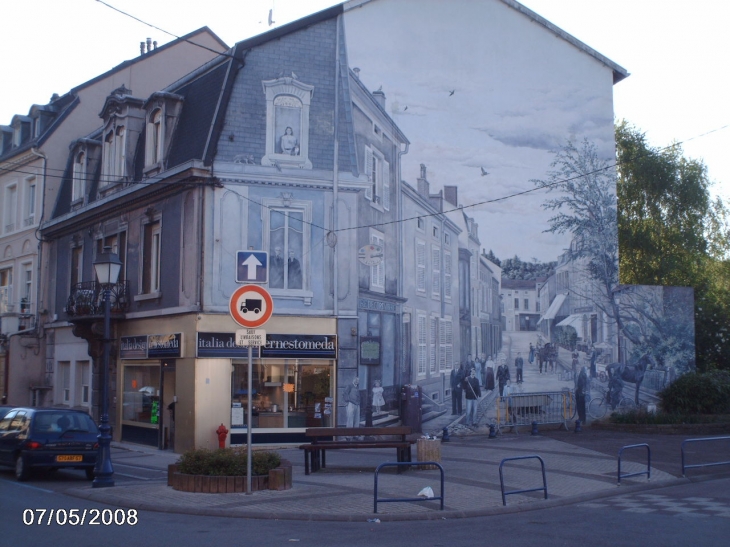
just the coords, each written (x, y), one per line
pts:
(224, 470)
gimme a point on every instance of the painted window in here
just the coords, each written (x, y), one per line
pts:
(377, 271)
(434, 343)
(286, 248)
(447, 275)
(287, 123)
(420, 266)
(422, 344)
(435, 272)
(446, 345)
(378, 173)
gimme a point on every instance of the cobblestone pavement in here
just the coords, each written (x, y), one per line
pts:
(471, 463)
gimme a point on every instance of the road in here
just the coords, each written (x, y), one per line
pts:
(690, 514)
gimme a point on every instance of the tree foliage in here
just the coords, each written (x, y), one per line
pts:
(671, 232)
(516, 268)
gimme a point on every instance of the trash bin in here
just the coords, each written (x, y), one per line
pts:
(410, 415)
(428, 450)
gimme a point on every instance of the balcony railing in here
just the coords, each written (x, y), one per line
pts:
(87, 299)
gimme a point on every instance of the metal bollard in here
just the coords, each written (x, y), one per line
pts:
(577, 426)
(534, 429)
(492, 432)
(445, 438)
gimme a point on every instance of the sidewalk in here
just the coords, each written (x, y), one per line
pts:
(579, 467)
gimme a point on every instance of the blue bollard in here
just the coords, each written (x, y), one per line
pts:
(577, 426)
(445, 438)
(534, 429)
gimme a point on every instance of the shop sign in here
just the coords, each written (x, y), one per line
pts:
(303, 346)
(161, 346)
(376, 305)
(220, 344)
(370, 350)
(133, 347)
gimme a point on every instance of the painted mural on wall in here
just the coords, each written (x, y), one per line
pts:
(438, 177)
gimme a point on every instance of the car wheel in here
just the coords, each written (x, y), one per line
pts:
(22, 471)
(89, 473)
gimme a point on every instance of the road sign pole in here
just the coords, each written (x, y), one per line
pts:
(249, 419)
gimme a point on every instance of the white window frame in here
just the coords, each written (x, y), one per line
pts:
(421, 262)
(27, 288)
(82, 384)
(31, 195)
(297, 92)
(421, 224)
(64, 382)
(305, 207)
(6, 289)
(377, 271)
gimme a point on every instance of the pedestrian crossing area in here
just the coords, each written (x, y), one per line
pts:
(664, 505)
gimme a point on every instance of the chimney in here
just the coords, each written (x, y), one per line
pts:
(149, 44)
(451, 195)
(141, 48)
(357, 72)
(379, 97)
(154, 44)
(423, 186)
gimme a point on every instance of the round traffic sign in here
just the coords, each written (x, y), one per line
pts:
(251, 306)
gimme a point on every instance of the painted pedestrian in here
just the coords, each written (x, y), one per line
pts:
(352, 402)
(473, 393)
(582, 388)
(457, 391)
(519, 364)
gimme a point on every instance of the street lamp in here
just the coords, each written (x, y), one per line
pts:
(107, 266)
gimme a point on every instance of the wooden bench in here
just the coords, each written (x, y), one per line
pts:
(333, 438)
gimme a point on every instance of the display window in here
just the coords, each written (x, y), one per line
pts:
(286, 393)
(141, 396)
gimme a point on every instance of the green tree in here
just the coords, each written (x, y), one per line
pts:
(671, 232)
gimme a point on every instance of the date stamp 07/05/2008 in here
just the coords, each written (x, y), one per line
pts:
(80, 517)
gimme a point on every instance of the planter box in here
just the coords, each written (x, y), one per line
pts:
(277, 479)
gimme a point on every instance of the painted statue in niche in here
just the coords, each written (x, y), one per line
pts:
(288, 123)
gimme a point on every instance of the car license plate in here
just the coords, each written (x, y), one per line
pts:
(70, 458)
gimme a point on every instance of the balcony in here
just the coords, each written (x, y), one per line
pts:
(87, 299)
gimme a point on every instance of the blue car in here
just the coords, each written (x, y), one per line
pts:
(49, 438)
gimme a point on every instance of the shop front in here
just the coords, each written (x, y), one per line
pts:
(292, 384)
(148, 388)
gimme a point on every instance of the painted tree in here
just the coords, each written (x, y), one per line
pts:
(672, 232)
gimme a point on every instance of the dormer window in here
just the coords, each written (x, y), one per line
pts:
(124, 121)
(153, 153)
(287, 123)
(114, 155)
(79, 177)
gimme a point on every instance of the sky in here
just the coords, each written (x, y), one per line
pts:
(672, 49)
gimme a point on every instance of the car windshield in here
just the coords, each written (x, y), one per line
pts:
(61, 422)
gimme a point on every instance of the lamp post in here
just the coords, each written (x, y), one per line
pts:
(107, 266)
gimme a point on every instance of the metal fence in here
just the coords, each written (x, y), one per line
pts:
(522, 409)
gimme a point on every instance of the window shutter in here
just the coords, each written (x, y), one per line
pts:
(420, 266)
(436, 271)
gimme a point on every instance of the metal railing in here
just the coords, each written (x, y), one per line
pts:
(710, 464)
(501, 478)
(648, 463)
(377, 500)
(87, 298)
(522, 409)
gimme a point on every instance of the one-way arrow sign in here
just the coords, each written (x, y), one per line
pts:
(252, 267)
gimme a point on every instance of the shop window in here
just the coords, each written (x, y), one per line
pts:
(141, 397)
(286, 393)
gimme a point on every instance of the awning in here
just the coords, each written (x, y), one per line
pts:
(554, 307)
(575, 321)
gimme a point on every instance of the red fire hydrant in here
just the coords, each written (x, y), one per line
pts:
(222, 433)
